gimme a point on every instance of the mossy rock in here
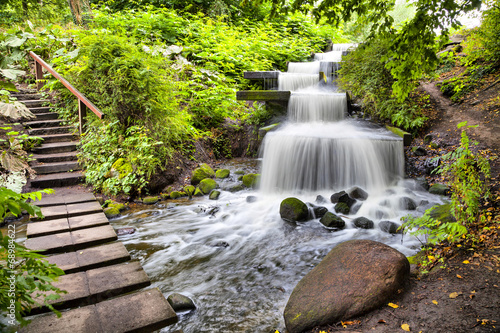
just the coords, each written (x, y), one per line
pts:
(150, 200)
(175, 195)
(442, 213)
(111, 212)
(222, 173)
(9, 217)
(165, 196)
(214, 195)
(251, 180)
(122, 167)
(207, 185)
(189, 190)
(439, 189)
(198, 192)
(342, 208)
(239, 172)
(331, 220)
(236, 188)
(121, 207)
(200, 173)
(294, 210)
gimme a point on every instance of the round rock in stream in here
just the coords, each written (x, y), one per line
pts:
(180, 302)
(355, 277)
(363, 223)
(331, 220)
(294, 210)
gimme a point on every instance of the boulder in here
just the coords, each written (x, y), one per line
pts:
(251, 198)
(150, 200)
(363, 223)
(407, 203)
(125, 231)
(175, 195)
(335, 197)
(180, 302)
(355, 277)
(320, 199)
(331, 220)
(358, 193)
(427, 139)
(236, 188)
(442, 213)
(189, 189)
(198, 192)
(250, 180)
(111, 212)
(200, 173)
(345, 198)
(214, 195)
(419, 151)
(294, 210)
(318, 211)
(423, 183)
(222, 173)
(389, 227)
(207, 185)
(342, 208)
(439, 189)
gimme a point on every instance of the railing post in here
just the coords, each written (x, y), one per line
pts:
(38, 75)
(82, 113)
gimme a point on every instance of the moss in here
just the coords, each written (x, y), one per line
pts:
(113, 204)
(202, 172)
(439, 189)
(198, 192)
(165, 196)
(189, 190)
(237, 188)
(222, 173)
(214, 195)
(251, 180)
(150, 200)
(111, 212)
(342, 208)
(292, 209)
(123, 167)
(405, 135)
(207, 185)
(175, 195)
(239, 172)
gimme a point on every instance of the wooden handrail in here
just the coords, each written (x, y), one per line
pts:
(83, 102)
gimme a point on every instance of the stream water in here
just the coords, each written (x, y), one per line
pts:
(235, 257)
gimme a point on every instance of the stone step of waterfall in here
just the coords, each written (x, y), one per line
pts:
(57, 179)
(55, 147)
(64, 199)
(95, 285)
(70, 210)
(72, 241)
(43, 123)
(46, 116)
(90, 258)
(65, 224)
(143, 311)
(48, 168)
(26, 95)
(58, 137)
(31, 103)
(263, 95)
(50, 130)
(60, 157)
(41, 109)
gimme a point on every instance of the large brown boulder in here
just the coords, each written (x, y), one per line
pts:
(355, 277)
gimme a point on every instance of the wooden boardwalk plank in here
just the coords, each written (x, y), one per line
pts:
(44, 228)
(144, 311)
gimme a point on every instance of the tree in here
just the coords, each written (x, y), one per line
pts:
(412, 50)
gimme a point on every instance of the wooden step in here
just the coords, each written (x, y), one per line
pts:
(65, 224)
(58, 180)
(73, 240)
(96, 285)
(47, 116)
(143, 311)
(55, 147)
(41, 109)
(94, 257)
(70, 210)
(60, 157)
(56, 167)
(35, 102)
(57, 200)
(43, 123)
(58, 137)
(51, 130)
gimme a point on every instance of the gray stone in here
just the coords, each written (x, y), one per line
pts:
(342, 208)
(358, 193)
(389, 227)
(335, 197)
(294, 210)
(331, 220)
(318, 211)
(419, 151)
(125, 231)
(407, 203)
(251, 198)
(180, 302)
(320, 199)
(439, 189)
(214, 195)
(363, 223)
(355, 277)
(427, 139)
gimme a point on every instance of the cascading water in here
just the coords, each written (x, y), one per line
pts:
(235, 257)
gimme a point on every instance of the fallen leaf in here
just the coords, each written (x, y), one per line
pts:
(392, 305)
(435, 302)
(458, 276)
(405, 327)
(454, 295)
(431, 258)
(381, 321)
(466, 262)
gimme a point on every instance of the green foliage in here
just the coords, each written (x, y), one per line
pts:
(366, 76)
(15, 11)
(469, 174)
(25, 277)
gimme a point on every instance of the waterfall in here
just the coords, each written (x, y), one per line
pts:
(318, 148)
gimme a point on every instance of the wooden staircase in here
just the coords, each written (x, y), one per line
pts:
(56, 162)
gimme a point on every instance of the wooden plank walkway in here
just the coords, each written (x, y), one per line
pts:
(103, 284)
